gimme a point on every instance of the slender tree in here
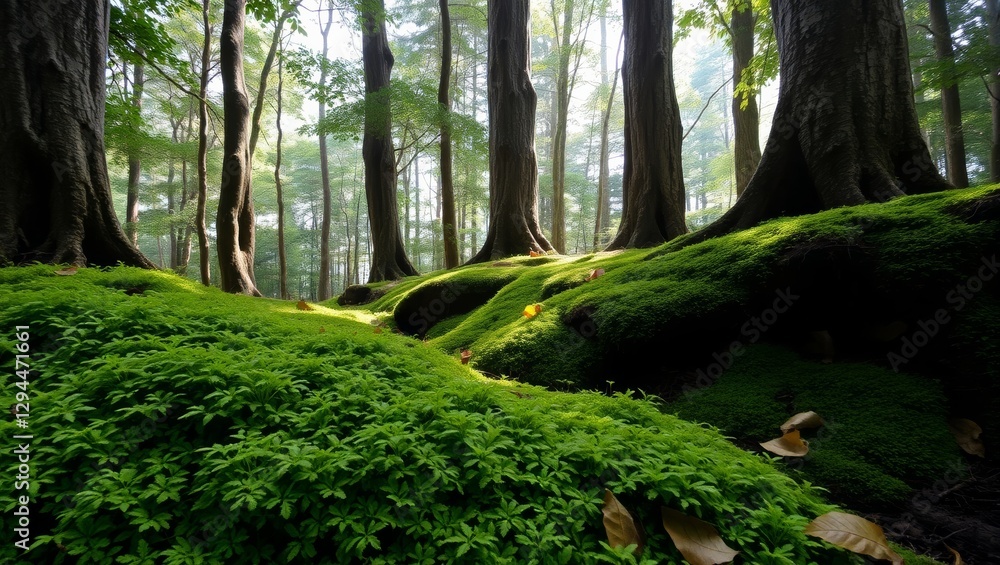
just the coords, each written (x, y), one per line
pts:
(235, 218)
(993, 87)
(746, 116)
(845, 129)
(55, 195)
(561, 100)
(951, 106)
(324, 167)
(513, 227)
(389, 261)
(282, 257)
(653, 190)
(448, 223)
(603, 209)
(134, 163)
(200, 227)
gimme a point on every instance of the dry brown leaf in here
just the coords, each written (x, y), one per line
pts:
(67, 272)
(697, 540)
(619, 524)
(853, 533)
(532, 310)
(595, 274)
(788, 445)
(532, 253)
(958, 557)
(466, 355)
(802, 421)
(967, 433)
(303, 306)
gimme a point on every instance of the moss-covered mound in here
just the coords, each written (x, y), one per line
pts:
(177, 424)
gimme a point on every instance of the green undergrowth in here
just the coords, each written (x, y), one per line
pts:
(851, 266)
(177, 424)
(883, 430)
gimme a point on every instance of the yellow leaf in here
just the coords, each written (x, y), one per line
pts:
(853, 533)
(67, 272)
(958, 557)
(967, 433)
(788, 445)
(532, 253)
(619, 525)
(802, 421)
(698, 541)
(595, 274)
(303, 306)
(532, 310)
(466, 355)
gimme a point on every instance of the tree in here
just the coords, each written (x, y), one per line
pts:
(324, 167)
(389, 261)
(950, 102)
(282, 258)
(448, 224)
(993, 87)
(56, 196)
(134, 162)
(746, 116)
(235, 218)
(653, 209)
(206, 58)
(513, 228)
(845, 130)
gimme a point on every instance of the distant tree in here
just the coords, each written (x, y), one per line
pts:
(448, 223)
(653, 208)
(513, 228)
(55, 196)
(993, 15)
(324, 166)
(200, 227)
(845, 128)
(951, 105)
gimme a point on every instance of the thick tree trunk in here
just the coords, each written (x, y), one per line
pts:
(513, 226)
(745, 119)
(282, 257)
(134, 163)
(55, 196)
(389, 261)
(235, 219)
(993, 12)
(845, 129)
(653, 190)
(951, 106)
(448, 222)
(324, 167)
(561, 100)
(206, 55)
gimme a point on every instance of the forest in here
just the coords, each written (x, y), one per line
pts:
(500, 281)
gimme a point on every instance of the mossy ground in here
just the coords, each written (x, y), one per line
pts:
(177, 424)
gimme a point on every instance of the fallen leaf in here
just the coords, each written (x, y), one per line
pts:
(788, 445)
(378, 329)
(697, 540)
(533, 253)
(967, 433)
(958, 557)
(520, 394)
(802, 421)
(595, 274)
(303, 306)
(532, 310)
(466, 355)
(322, 330)
(619, 524)
(853, 533)
(67, 272)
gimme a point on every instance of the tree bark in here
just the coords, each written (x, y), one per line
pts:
(389, 261)
(134, 163)
(951, 106)
(653, 190)
(282, 257)
(513, 225)
(602, 219)
(561, 103)
(206, 59)
(324, 167)
(265, 72)
(845, 129)
(746, 120)
(448, 222)
(235, 219)
(993, 12)
(55, 195)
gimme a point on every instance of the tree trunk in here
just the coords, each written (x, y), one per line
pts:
(55, 196)
(513, 226)
(134, 164)
(448, 221)
(258, 108)
(282, 257)
(389, 261)
(653, 190)
(951, 106)
(845, 129)
(746, 120)
(993, 11)
(235, 219)
(324, 167)
(206, 55)
(561, 100)
(603, 207)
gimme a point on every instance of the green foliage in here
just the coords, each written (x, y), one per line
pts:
(178, 424)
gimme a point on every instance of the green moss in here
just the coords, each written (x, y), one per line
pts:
(883, 429)
(183, 424)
